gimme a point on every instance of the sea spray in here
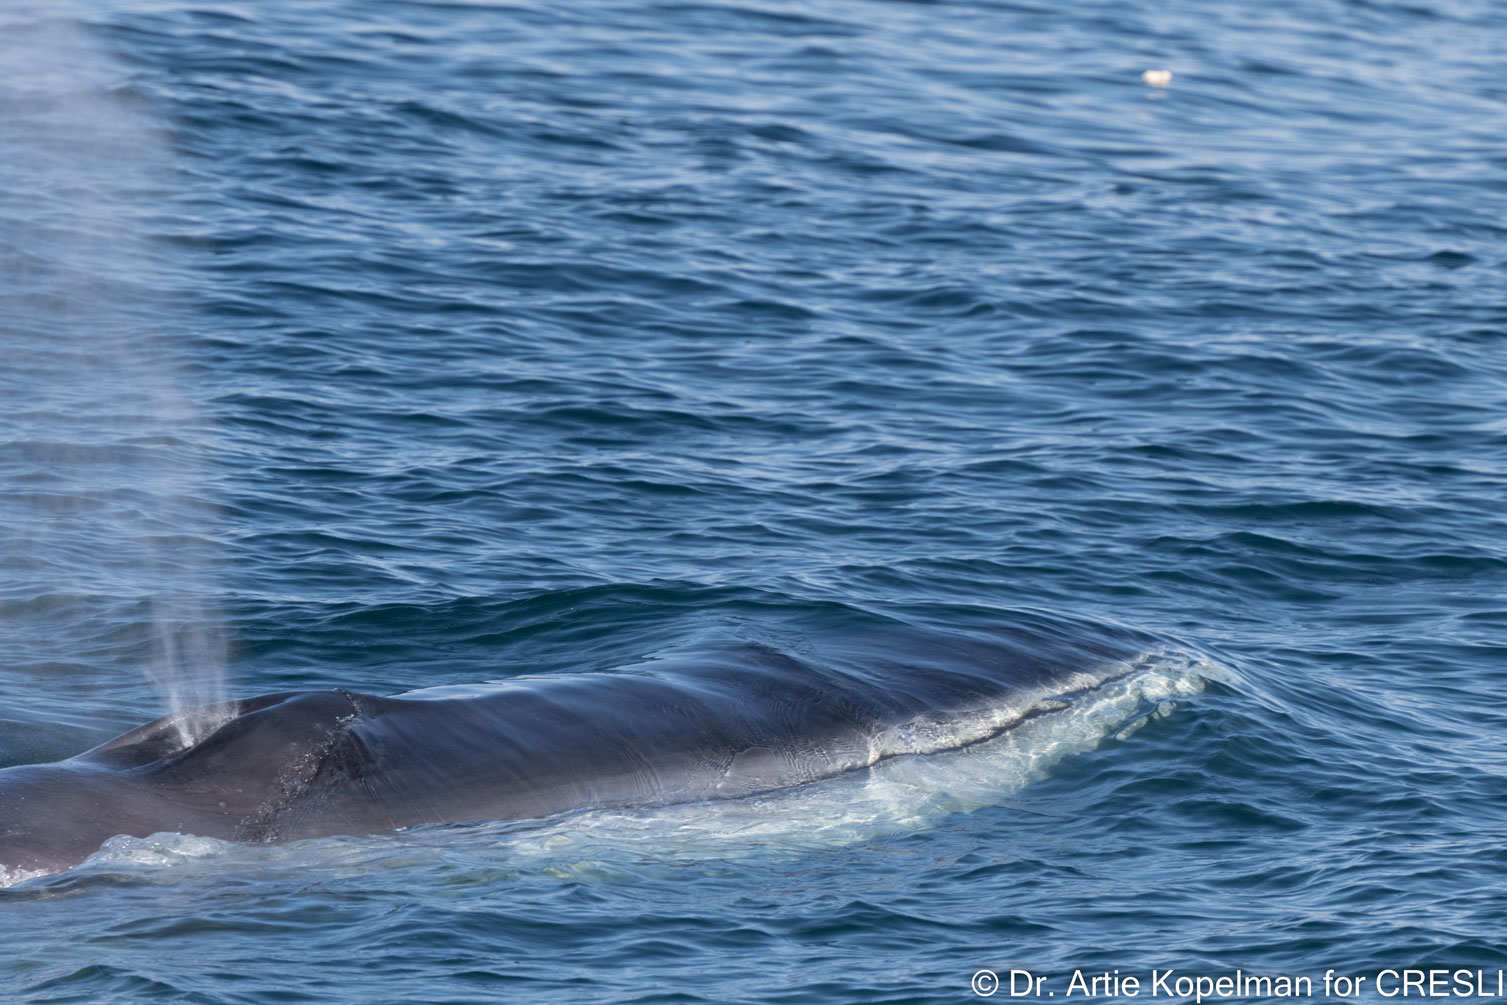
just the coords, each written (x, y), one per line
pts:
(105, 530)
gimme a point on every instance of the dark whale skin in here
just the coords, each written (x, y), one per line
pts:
(717, 722)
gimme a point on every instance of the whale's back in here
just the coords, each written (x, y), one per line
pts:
(714, 722)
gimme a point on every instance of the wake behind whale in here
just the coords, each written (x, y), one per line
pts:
(712, 722)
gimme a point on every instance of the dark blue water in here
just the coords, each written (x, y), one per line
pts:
(386, 345)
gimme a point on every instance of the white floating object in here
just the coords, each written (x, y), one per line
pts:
(1156, 78)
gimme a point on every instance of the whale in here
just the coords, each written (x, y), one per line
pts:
(719, 720)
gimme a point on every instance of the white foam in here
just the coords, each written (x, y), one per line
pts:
(158, 850)
(10, 877)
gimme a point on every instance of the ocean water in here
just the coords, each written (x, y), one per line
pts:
(398, 344)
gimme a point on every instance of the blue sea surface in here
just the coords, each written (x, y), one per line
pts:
(396, 344)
